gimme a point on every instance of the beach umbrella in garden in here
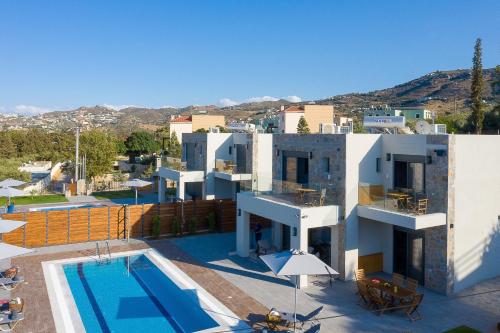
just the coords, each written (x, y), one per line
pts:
(10, 192)
(136, 183)
(7, 226)
(295, 263)
(9, 182)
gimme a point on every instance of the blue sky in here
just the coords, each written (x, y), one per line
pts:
(64, 54)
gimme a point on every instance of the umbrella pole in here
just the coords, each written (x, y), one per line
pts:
(295, 305)
(136, 195)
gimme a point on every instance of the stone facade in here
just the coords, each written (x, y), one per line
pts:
(332, 146)
(437, 241)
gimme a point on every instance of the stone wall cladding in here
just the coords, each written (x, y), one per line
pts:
(332, 146)
(437, 175)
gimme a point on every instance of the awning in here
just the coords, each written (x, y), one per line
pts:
(9, 225)
(8, 251)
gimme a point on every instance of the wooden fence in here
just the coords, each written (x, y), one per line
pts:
(103, 223)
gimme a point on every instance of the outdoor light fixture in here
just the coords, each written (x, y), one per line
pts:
(387, 157)
(429, 159)
(294, 231)
(239, 212)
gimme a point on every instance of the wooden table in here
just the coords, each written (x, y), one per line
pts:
(389, 290)
(302, 191)
(399, 198)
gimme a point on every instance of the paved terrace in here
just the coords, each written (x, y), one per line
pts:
(246, 287)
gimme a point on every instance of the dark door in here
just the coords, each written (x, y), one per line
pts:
(285, 238)
(416, 257)
(400, 252)
(302, 170)
(408, 255)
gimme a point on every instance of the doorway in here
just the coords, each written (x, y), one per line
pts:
(408, 255)
(285, 238)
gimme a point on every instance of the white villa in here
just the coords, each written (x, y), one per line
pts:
(425, 206)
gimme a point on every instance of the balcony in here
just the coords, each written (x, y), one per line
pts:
(288, 201)
(175, 169)
(231, 171)
(404, 208)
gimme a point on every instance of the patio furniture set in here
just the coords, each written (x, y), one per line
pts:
(11, 311)
(407, 202)
(382, 295)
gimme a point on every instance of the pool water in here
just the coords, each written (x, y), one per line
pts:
(131, 294)
(49, 209)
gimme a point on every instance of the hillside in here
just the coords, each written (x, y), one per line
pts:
(440, 91)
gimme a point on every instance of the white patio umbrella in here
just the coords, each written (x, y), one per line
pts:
(136, 183)
(9, 182)
(10, 192)
(295, 263)
(8, 251)
(7, 226)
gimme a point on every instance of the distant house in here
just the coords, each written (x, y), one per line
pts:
(190, 124)
(313, 114)
(410, 113)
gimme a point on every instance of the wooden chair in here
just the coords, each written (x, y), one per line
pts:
(360, 274)
(322, 197)
(377, 301)
(363, 293)
(398, 279)
(410, 307)
(419, 206)
(411, 284)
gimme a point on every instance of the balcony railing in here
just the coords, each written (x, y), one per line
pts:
(406, 201)
(174, 163)
(229, 167)
(303, 195)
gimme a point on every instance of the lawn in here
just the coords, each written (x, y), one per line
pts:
(462, 329)
(37, 199)
(115, 194)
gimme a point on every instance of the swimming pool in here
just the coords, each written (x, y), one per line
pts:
(65, 207)
(138, 291)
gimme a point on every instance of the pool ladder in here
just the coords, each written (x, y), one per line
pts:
(98, 253)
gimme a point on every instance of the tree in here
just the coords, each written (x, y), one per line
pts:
(100, 149)
(477, 86)
(7, 147)
(141, 142)
(302, 127)
(201, 130)
(174, 147)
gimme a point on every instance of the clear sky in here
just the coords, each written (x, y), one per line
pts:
(62, 54)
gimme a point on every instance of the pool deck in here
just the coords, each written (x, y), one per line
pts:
(38, 314)
(249, 289)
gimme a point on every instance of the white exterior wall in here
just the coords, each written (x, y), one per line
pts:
(361, 153)
(289, 121)
(477, 209)
(180, 128)
(217, 148)
(264, 162)
(376, 237)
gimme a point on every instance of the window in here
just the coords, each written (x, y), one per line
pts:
(326, 164)
(378, 163)
(417, 115)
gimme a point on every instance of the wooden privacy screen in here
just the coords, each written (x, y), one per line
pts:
(371, 263)
(367, 194)
(103, 223)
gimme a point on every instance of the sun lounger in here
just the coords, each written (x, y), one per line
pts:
(9, 321)
(10, 273)
(11, 283)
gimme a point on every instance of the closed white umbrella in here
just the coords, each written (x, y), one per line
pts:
(135, 183)
(9, 182)
(295, 263)
(8, 251)
(7, 226)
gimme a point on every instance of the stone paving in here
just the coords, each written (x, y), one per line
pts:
(249, 289)
(38, 314)
(339, 301)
